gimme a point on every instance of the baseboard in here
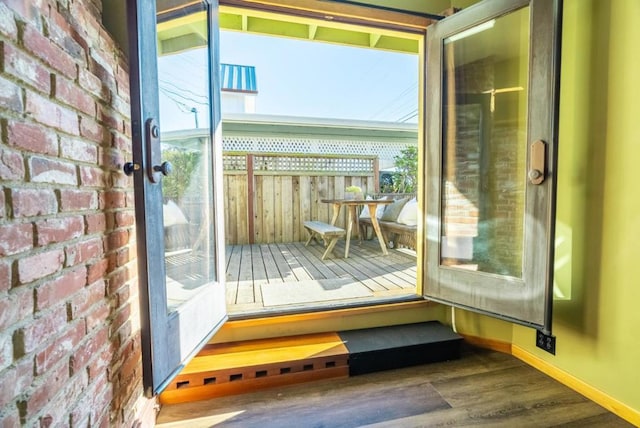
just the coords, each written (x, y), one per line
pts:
(494, 345)
(614, 406)
(625, 412)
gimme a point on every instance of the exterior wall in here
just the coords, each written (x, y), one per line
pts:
(69, 328)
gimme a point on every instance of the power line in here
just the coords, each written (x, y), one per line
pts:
(177, 94)
(179, 88)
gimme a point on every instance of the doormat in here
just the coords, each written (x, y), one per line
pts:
(323, 290)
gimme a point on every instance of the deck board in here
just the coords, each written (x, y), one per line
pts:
(250, 266)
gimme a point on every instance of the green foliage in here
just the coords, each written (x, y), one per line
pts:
(405, 178)
(355, 189)
(185, 162)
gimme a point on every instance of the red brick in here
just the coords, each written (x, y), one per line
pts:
(47, 51)
(15, 238)
(91, 129)
(93, 345)
(83, 251)
(11, 417)
(83, 302)
(51, 114)
(74, 96)
(124, 256)
(35, 336)
(117, 239)
(123, 295)
(98, 365)
(29, 11)
(73, 391)
(121, 106)
(112, 159)
(59, 229)
(32, 138)
(83, 414)
(120, 181)
(11, 165)
(122, 78)
(87, 23)
(78, 150)
(16, 306)
(92, 84)
(43, 170)
(8, 25)
(11, 96)
(103, 71)
(6, 351)
(60, 289)
(117, 280)
(114, 199)
(98, 316)
(25, 68)
(61, 33)
(63, 345)
(52, 382)
(101, 398)
(39, 265)
(96, 223)
(132, 363)
(15, 380)
(109, 118)
(127, 130)
(122, 143)
(123, 316)
(92, 176)
(33, 202)
(77, 200)
(96, 270)
(5, 275)
(125, 218)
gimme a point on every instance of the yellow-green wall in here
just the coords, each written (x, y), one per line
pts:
(596, 327)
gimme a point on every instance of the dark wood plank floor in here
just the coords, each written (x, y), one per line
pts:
(251, 266)
(483, 388)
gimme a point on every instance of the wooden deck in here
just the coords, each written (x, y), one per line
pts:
(271, 278)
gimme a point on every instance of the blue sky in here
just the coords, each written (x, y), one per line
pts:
(298, 78)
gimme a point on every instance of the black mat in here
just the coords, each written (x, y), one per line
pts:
(385, 348)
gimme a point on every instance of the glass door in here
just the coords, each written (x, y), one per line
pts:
(491, 156)
(177, 175)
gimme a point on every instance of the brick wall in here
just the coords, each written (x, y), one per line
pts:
(69, 325)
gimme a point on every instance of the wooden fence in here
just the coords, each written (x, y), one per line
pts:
(269, 196)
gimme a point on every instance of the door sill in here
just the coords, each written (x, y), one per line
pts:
(320, 307)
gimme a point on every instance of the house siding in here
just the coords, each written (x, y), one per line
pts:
(70, 350)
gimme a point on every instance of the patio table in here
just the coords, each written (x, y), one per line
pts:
(352, 219)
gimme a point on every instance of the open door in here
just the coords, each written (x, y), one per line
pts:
(492, 85)
(177, 188)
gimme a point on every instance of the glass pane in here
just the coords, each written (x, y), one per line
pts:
(183, 69)
(485, 71)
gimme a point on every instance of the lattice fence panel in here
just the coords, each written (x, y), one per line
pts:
(384, 150)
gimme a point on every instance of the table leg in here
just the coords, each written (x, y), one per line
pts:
(336, 212)
(376, 227)
(352, 210)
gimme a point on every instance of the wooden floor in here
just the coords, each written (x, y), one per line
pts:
(483, 388)
(249, 267)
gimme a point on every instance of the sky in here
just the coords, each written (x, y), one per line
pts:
(296, 78)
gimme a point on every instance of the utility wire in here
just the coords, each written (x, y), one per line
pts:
(179, 88)
(177, 94)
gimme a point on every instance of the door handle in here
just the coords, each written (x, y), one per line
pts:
(155, 167)
(537, 167)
